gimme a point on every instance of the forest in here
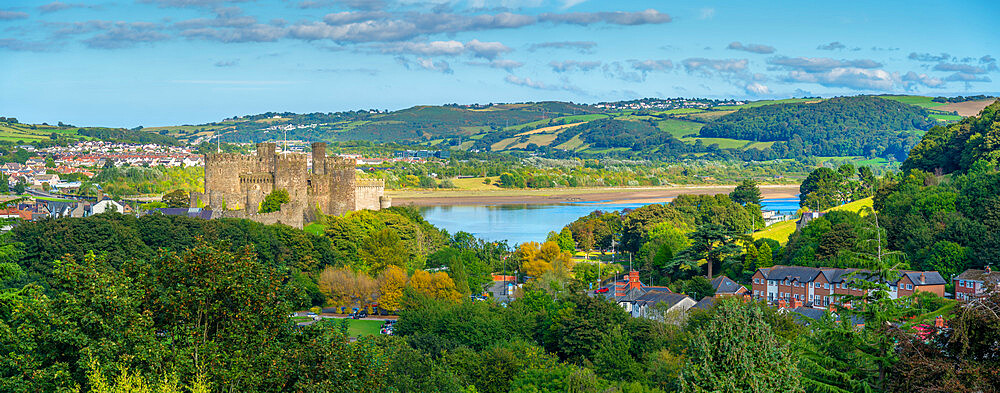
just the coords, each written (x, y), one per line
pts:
(859, 126)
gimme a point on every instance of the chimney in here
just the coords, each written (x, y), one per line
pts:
(939, 322)
(923, 280)
(633, 280)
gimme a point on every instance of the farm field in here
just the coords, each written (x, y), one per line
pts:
(768, 102)
(921, 101)
(780, 231)
(679, 128)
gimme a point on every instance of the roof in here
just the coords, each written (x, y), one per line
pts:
(979, 275)
(705, 303)
(834, 275)
(930, 278)
(726, 285)
(655, 297)
(797, 273)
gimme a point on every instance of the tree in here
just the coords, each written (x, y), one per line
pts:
(176, 199)
(746, 192)
(765, 257)
(383, 249)
(711, 243)
(274, 200)
(436, 285)
(948, 258)
(565, 240)
(738, 352)
(391, 283)
(699, 287)
(537, 260)
(820, 190)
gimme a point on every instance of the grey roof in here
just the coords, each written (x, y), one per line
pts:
(723, 284)
(654, 297)
(797, 273)
(930, 278)
(833, 275)
(805, 315)
(705, 303)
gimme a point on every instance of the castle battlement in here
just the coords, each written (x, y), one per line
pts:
(369, 183)
(228, 157)
(292, 157)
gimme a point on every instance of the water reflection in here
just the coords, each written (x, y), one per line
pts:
(523, 222)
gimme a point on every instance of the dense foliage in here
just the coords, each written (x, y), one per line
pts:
(955, 147)
(858, 126)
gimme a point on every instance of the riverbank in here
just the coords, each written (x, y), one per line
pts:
(562, 195)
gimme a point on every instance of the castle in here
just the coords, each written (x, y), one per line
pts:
(236, 184)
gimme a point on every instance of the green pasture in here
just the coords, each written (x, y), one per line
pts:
(679, 128)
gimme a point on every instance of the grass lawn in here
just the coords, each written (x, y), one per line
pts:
(358, 327)
(475, 183)
(315, 228)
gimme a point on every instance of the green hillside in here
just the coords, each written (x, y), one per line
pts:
(863, 126)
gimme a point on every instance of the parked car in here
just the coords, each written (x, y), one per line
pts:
(359, 315)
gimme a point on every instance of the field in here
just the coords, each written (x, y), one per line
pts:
(940, 117)
(768, 102)
(27, 133)
(968, 108)
(782, 230)
(679, 128)
(724, 143)
(921, 101)
(568, 119)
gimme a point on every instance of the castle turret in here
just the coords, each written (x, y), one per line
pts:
(319, 158)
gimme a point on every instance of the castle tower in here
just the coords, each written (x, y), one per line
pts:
(319, 158)
(266, 155)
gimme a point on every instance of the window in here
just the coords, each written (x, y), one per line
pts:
(961, 283)
(909, 286)
(826, 285)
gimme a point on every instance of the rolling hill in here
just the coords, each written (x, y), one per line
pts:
(644, 128)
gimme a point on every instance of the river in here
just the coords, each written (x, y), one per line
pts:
(519, 223)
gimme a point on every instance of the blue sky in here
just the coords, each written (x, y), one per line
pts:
(160, 62)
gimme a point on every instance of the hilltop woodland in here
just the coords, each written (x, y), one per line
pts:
(841, 126)
(675, 129)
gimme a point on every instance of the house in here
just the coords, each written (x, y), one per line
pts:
(662, 305)
(46, 179)
(806, 217)
(818, 287)
(106, 205)
(628, 293)
(725, 286)
(973, 283)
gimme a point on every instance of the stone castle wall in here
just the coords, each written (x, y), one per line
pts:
(236, 185)
(368, 194)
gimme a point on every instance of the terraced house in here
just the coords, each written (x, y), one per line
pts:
(818, 287)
